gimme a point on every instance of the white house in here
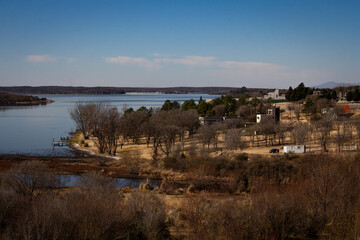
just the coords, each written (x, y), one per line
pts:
(275, 95)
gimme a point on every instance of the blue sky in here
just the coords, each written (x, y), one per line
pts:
(147, 43)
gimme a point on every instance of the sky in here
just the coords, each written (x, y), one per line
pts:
(170, 43)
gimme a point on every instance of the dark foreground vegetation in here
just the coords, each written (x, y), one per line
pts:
(31, 207)
(7, 99)
(285, 197)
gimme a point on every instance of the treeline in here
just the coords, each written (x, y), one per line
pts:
(350, 93)
(112, 90)
(353, 94)
(301, 92)
(7, 99)
(229, 106)
(111, 128)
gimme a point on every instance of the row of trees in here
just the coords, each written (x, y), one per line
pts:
(110, 128)
(353, 95)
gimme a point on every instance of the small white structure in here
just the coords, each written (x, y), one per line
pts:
(295, 149)
(263, 117)
(275, 95)
(348, 148)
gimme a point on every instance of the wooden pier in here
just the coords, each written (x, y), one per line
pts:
(63, 142)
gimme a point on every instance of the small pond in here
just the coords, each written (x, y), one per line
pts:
(72, 180)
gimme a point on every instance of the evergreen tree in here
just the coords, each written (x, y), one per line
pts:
(349, 96)
(333, 95)
(203, 108)
(289, 94)
(187, 105)
(356, 95)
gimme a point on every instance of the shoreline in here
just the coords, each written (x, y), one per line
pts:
(77, 147)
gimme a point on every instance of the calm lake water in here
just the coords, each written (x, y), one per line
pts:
(72, 180)
(31, 129)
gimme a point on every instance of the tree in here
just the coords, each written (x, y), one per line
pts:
(106, 128)
(168, 105)
(333, 94)
(220, 110)
(131, 125)
(209, 134)
(349, 96)
(300, 133)
(82, 114)
(187, 105)
(112, 129)
(243, 111)
(186, 121)
(234, 140)
(289, 93)
(357, 95)
(203, 108)
(300, 92)
(163, 132)
(30, 177)
(323, 128)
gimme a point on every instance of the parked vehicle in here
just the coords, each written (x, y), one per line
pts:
(274, 150)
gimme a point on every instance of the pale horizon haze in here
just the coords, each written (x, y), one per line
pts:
(270, 44)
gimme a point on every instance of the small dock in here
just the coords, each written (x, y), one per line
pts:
(63, 142)
(59, 144)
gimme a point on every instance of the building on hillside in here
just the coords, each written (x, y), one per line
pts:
(230, 119)
(273, 114)
(264, 118)
(209, 120)
(275, 95)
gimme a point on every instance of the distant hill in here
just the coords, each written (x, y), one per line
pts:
(235, 92)
(112, 90)
(334, 85)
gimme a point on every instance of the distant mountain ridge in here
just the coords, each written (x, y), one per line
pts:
(335, 84)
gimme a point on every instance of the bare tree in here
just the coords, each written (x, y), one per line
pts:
(323, 129)
(243, 111)
(82, 114)
(106, 128)
(112, 129)
(32, 178)
(300, 133)
(234, 140)
(219, 110)
(343, 129)
(187, 122)
(164, 131)
(267, 129)
(131, 125)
